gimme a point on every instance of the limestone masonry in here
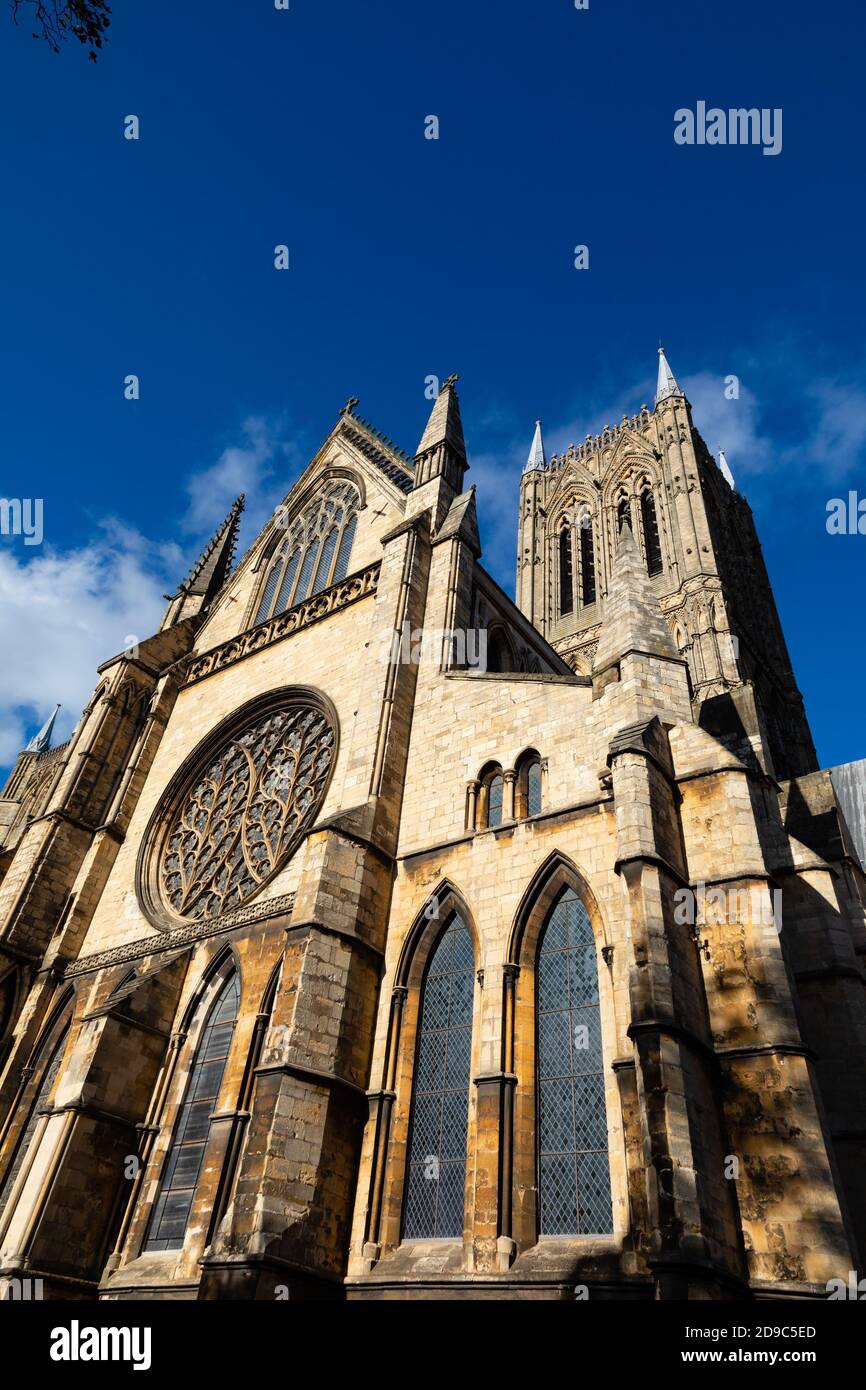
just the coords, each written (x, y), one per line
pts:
(531, 968)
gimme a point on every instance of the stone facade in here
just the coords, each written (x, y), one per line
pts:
(641, 755)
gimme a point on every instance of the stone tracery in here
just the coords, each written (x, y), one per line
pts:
(241, 815)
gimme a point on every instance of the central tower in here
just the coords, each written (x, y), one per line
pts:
(697, 538)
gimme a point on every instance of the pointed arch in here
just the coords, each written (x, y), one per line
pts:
(566, 573)
(501, 656)
(211, 1017)
(42, 1070)
(446, 898)
(650, 527)
(434, 1190)
(557, 872)
(312, 550)
(587, 562)
(560, 1004)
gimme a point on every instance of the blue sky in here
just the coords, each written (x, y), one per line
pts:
(412, 257)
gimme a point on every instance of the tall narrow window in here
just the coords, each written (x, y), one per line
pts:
(306, 575)
(323, 569)
(345, 550)
(566, 590)
(183, 1164)
(436, 1175)
(623, 514)
(587, 563)
(267, 599)
(574, 1174)
(650, 532)
(533, 789)
(52, 1070)
(527, 790)
(288, 584)
(494, 799)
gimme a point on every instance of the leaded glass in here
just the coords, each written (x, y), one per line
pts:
(574, 1174)
(494, 800)
(305, 561)
(533, 789)
(323, 570)
(183, 1164)
(243, 813)
(436, 1172)
(51, 1073)
(345, 552)
(288, 584)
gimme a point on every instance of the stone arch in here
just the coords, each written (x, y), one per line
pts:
(294, 505)
(520, 1042)
(557, 872)
(400, 1062)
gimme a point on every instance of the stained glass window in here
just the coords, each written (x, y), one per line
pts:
(494, 800)
(574, 1173)
(183, 1164)
(436, 1175)
(244, 811)
(533, 789)
(316, 551)
(52, 1070)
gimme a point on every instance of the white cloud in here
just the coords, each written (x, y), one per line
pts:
(62, 614)
(733, 424)
(838, 435)
(258, 467)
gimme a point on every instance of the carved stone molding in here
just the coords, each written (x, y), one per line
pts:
(322, 605)
(183, 936)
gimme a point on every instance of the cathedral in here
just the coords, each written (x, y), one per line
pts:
(377, 937)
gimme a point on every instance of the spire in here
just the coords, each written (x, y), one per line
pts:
(725, 470)
(41, 742)
(537, 457)
(444, 425)
(667, 382)
(632, 618)
(213, 568)
(442, 449)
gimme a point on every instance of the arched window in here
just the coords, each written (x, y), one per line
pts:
(566, 568)
(184, 1159)
(623, 514)
(52, 1070)
(499, 655)
(574, 1173)
(315, 553)
(528, 787)
(651, 541)
(587, 562)
(495, 787)
(436, 1173)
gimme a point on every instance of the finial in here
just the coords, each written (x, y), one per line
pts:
(350, 405)
(450, 381)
